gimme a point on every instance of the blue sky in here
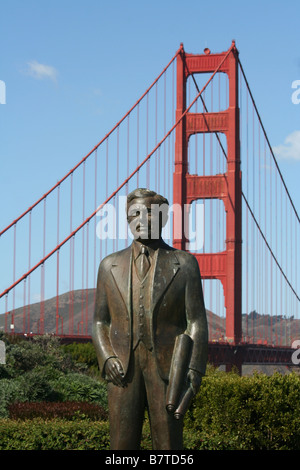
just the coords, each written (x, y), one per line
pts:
(73, 68)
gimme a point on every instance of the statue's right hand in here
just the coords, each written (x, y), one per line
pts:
(114, 371)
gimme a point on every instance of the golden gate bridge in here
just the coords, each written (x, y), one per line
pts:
(195, 136)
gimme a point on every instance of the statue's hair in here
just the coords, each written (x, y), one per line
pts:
(143, 193)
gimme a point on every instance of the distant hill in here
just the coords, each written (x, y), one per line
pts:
(276, 330)
(79, 302)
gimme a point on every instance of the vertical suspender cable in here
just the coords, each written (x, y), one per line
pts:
(147, 143)
(83, 250)
(137, 143)
(71, 261)
(271, 260)
(24, 306)
(57, 262)
(29, 265)
(87, 279)
(127, 151)
(95, 220)
(247, 221)
(117, 202)
(42, 309)
(156, 110)
(14, 270)
(107, 179)
(165, 131)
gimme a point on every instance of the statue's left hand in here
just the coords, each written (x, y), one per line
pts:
(194, 378)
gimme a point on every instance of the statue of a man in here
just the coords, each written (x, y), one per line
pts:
(148, 295)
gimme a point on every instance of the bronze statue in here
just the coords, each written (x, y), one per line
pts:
(149, 320)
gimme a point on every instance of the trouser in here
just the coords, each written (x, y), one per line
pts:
(144, 388)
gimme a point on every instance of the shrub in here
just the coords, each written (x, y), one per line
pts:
(229, 412)
(9, 391)
(40, 351)
(60, 434)
(80, 387)
(83, 353)
(53, 410)
(251, 413)
(57, 434)
(41, 370)
(40, 385)
(37, 385)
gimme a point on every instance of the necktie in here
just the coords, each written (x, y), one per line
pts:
(142, 262)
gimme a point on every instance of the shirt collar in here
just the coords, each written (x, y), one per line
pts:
(136, 246)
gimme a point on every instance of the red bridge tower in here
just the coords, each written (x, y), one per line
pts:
(225, 266)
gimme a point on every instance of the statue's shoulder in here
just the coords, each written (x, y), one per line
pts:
(183, 256)
(114, 258)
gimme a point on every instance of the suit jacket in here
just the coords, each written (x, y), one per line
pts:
(177, 307)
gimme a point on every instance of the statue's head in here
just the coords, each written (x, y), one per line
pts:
(147, 214)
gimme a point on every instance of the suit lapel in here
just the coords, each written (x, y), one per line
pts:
(121, 271)
(167, 266)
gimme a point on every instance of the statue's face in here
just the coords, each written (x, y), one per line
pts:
(146, 218)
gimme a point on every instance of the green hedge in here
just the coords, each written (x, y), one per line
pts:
(57, 434)
(229, 413)
(249, 413)
(70, 410)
